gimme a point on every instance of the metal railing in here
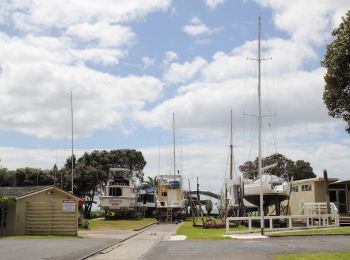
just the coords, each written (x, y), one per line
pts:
(308, 221)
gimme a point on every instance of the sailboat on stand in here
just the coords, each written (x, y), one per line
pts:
(231, 202)
(170, 200)
(266, 188)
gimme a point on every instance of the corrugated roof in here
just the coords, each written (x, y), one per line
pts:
(15, 192)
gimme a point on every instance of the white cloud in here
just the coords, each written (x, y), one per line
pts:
(171, 56)
(147, 62)
(62, 14)
(34, 78)
(180, 73)
(105, 34)
(48, 52)
(212, 4)
(197, 27)
(307, 22)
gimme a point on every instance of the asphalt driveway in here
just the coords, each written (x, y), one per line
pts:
(50, 248)
(245, 249)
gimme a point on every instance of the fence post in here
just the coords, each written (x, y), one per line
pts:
(250, 223)
(227, 226)
(290, 222)
(271, 224)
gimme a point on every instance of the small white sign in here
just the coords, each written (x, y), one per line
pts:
(69, 205)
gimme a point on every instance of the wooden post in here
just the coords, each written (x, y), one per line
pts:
(326, 189)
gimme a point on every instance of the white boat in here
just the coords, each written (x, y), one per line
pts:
(266, 189)
(119, 195)
(170, 200)
(275, 189)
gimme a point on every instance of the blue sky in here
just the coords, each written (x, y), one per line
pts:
(132, 64)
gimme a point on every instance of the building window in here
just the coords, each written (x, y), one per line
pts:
(164, 194)
(114, 191)
(306, 187)
(295, 188)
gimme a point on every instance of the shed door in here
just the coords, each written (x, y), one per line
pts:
(48, 218)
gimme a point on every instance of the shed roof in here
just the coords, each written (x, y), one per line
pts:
(317, 179)
(15, 192)
(24, 191)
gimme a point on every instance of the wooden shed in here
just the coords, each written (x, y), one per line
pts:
(39, 210)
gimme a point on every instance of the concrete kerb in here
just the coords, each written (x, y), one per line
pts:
(144, 228)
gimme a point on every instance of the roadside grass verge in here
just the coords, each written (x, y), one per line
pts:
(326, 231)
(121, 224)
(35, 237)
(313, 256)
(199, 233)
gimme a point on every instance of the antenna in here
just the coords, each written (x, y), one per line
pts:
(231, 150)
(72, 157)
(259, 129)
(174, 143)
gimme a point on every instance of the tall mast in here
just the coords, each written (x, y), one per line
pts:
(231, 151)
(259, 129)
(71, 112)
(174, 143)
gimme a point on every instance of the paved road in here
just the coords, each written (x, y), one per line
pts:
(50, 248)
(245, 249)
(136, 247)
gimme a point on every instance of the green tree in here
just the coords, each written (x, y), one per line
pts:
(152, 181)
(32, 177)
(91, 171)
(285, 167)
(336, 93)
(7, 178)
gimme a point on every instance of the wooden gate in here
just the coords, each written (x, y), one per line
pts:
(48, 218)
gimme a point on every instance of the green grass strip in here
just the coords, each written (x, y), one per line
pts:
(314, 256)
(121, 224)
(328, 231)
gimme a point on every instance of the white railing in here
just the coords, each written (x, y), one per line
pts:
(309, 221)
(317, 208)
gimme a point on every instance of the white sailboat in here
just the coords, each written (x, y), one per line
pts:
(266, 188)
(170, 200)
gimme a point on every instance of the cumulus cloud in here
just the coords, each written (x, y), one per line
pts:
(102, 33)
(212, 4)
(197, 27)
(308, 23)
(52, 51)
(171, 56)
(147, 62)
(180, 73)
(27, 15)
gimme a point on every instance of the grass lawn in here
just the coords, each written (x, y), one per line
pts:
(314, 256)
(328, 231)
(198, 233)
(122, 224)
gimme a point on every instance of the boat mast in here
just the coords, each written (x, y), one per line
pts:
(259, 130)
(71, 111)
(174, 143)
(231, 151)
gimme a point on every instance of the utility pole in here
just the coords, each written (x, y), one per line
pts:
(72, 157)
(174, 143)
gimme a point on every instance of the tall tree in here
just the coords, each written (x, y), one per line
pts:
(91, 171)
(285, 167)
(336, 93)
